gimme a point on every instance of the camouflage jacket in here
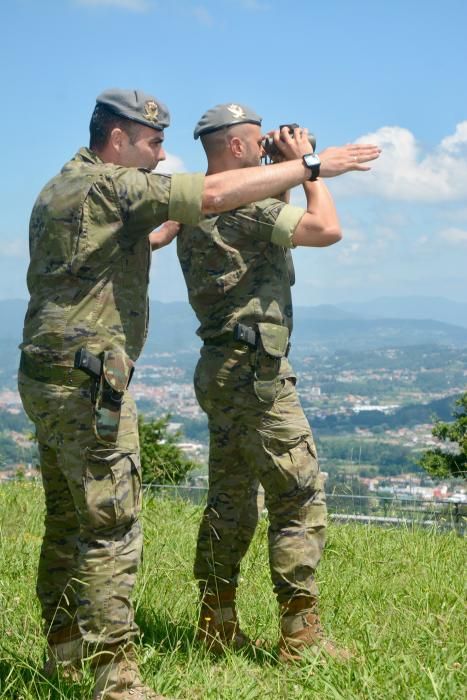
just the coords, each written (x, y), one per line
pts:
(238, 266)
(90, 255)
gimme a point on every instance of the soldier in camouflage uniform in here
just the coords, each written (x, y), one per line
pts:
(90, 246)
(238, 270)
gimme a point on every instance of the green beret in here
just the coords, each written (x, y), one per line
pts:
(137, 106)
(225, 115)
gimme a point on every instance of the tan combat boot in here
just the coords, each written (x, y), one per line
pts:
(218, 626)
(117, 677)
(301, 630)
(65, 651)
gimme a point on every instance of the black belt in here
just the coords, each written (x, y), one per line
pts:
(52, 374)
(241, 334)
(224, 339)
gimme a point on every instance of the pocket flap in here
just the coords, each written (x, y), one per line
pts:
(274, 338)
(117, 368)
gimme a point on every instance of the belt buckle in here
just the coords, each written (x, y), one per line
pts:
(245, 334)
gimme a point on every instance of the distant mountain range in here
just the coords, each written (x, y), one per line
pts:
(380, 323)
(415, 307)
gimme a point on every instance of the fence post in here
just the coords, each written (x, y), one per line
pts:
(458, 518)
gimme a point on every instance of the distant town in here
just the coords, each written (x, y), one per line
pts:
(371, 412)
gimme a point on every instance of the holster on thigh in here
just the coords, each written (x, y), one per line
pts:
(273, 345)
(117, 369)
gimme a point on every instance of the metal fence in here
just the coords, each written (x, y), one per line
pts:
(375, 509)
(398, 510)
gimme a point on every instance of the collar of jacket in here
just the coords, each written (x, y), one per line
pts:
(87, 156)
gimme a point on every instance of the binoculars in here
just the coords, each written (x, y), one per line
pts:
(270, 147)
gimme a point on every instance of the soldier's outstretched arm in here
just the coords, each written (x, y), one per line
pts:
(335, 160)
(233, 188)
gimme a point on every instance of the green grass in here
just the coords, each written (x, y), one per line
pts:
(394, 596)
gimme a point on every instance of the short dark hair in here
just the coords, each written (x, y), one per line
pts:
(102, 122)
(213, 141)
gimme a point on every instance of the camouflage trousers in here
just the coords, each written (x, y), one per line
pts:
(256, 441)
(92, 542)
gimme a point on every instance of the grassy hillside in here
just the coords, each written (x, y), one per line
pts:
(394, 596)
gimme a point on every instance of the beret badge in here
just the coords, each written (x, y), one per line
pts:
(236, 111)
(151, 111)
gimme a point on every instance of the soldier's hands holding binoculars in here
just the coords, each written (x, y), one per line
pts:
(290, 144)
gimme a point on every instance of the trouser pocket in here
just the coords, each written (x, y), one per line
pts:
(112, 485)
(291, 467)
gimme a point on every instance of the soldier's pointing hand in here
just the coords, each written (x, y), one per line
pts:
(337, 160)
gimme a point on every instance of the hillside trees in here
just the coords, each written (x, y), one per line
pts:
(440, 463)
(162, 460)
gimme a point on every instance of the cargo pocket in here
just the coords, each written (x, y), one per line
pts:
(112, 485)
(117, 370)
(291, 467)
(317, 513)
(201, 382)
(272, 347)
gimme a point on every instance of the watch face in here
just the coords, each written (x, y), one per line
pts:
(313, 162)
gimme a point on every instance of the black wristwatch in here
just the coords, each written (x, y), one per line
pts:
(313, 162)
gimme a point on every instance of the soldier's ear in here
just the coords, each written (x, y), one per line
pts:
(236, 147)
(116, 138)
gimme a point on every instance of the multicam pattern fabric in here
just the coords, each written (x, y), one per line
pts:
(233, 272)
(252, 442)
(236, 271)
(88, 281)
(92, 541)
(90, 255)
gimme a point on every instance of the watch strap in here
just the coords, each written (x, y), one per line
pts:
(314, 167)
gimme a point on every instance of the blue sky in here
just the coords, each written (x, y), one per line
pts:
(392, 72)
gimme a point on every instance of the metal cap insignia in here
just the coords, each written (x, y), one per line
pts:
(151, 110)
(236, 111)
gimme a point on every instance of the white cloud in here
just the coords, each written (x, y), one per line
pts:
(203, 16)
(404, 172)
(133, 5)
(455, 236)
(171, 164)
(457, 141)
(364, 247)
(422, 241)
(255, 5)
(352, 247)
(17, 248)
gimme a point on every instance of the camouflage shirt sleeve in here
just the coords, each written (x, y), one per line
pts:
(146, 200)
(185, 198)
(270, 220)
